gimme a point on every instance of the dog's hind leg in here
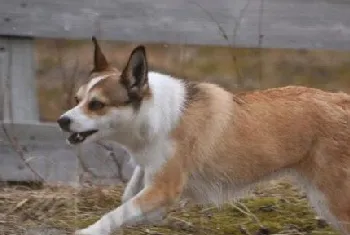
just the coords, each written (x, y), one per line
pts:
(326, 178)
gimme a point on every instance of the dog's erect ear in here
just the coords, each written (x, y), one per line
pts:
(100, 62)
(135, 74)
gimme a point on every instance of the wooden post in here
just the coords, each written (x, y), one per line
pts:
(17, 80)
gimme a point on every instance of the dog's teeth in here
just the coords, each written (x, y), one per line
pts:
(79, 137)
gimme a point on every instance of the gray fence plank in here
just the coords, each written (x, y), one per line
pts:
(288, 24)
(17, 78)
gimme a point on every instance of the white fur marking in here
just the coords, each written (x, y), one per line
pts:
(96, 80)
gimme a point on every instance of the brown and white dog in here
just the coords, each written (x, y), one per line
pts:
(199, 141)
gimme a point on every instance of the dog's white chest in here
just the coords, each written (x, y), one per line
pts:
(153, 156)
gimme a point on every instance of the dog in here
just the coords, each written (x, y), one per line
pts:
(198, 140)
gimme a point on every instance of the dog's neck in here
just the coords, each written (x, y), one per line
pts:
(157, 116)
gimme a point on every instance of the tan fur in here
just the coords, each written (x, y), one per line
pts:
(226, 142)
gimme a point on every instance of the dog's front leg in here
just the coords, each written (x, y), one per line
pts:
(152, 200)
(125, 214)
(135, 184)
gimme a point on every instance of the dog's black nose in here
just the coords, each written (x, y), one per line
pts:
(64, 122)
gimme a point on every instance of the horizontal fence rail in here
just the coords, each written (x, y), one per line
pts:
(38, 152)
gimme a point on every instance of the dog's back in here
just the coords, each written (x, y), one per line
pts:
(293, 92)
(231, 141)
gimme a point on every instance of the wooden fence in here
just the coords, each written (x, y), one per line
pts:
(30, 150)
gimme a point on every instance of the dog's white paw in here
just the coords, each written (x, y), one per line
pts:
(91, 230)
(81, 232)
(86, 232)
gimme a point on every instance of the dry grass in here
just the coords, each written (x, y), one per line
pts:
(277, 207)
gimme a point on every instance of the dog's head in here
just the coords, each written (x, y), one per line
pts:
(110, 100)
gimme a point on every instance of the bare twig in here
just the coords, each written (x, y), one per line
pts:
(14, 144)
(68, 80)
(261, 37)
(247, 212)
(21, 153)
(17, 206)
(72, 83)
(220, 28)
(237, 23)
(189, 224)
(116, 161)
(234, 35)
(84, 166)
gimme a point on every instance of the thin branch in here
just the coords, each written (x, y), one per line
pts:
(68, 81)
(119, 174)
(220, 28)
(72, 82)
(14, 144)
(247, 212)
(237, 23)
(20, 152)
(58, 47)
(234, 35)
(84, 166)
(261, 37)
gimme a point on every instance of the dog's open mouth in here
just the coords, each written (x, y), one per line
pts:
(79, 137)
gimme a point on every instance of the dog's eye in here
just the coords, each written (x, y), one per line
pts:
(96, 105)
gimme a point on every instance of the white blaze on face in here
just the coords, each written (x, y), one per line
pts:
(94, 81)
(79, 120)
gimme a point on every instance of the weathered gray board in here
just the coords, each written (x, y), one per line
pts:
(285, 23)
(17, 80)
(43, 148)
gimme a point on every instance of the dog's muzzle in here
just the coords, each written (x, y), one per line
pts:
(76, 137)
